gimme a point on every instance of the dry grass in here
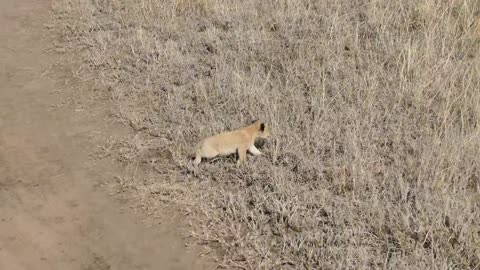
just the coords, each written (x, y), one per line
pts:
(375, 114)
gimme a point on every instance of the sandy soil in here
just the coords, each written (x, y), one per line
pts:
(53, 215)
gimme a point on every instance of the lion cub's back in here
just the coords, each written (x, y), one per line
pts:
(227, 142)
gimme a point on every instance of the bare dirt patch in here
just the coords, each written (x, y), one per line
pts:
(374, 108)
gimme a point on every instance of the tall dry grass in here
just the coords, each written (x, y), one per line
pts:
(374, 107)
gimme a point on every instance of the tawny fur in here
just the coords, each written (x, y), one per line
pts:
(238, 141)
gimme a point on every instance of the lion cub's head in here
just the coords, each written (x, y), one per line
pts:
(263, 129)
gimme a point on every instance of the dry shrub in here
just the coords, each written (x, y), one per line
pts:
(374, 106)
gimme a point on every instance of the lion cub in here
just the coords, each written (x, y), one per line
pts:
(227, 143)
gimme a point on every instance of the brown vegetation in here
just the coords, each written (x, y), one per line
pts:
(374, 107)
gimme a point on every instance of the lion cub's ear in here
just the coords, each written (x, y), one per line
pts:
(264, 130)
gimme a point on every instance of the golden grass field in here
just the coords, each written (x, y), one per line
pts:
(374, 108)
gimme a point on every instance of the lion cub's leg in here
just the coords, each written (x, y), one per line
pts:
(242, 155)
(198, 159)
(205, 151)
(254, 151)
(198, 156)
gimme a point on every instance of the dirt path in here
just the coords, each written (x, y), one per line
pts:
(52, 216)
